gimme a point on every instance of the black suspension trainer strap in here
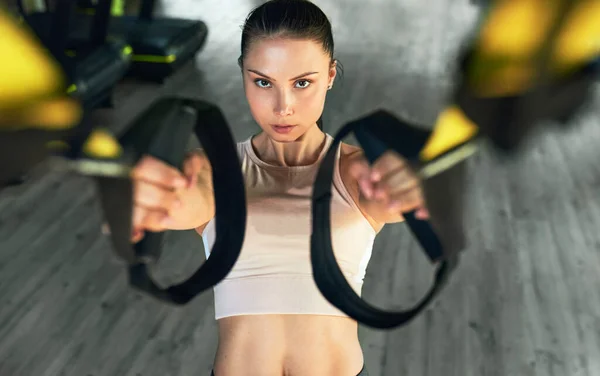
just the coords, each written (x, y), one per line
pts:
(441, 238)
(37, 120)
(163, 131)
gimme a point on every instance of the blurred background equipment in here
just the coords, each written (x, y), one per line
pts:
(159, 45)
(94, 64)
(35, 111)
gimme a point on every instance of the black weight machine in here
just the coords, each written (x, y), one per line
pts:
(93, 64)
(161, 46)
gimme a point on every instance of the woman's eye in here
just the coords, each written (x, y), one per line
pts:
(262, 83)
(302, 84)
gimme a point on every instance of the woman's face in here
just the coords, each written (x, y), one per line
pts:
(286, 81)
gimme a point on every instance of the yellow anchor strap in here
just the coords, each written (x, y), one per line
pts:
(102, 144)
(32, 83)
(452, 128)
(513, 33)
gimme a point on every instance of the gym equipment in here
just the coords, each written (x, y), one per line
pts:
(35, 111)
(161, 46)
(442, 237)
(152, 133)
(514, 77)
(117, 8)
(92, 64)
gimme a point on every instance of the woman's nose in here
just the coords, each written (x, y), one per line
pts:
(284, 106)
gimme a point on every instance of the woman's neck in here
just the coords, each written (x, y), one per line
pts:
(304, 151)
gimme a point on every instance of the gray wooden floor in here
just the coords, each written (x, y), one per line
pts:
(525, 301)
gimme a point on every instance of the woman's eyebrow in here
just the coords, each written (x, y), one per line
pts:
(292, 79)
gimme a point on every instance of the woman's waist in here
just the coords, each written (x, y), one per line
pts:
(289, 344)
(274, 294)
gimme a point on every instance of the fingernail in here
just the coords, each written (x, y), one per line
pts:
(181, 182)
(375, 176)
(166, 221)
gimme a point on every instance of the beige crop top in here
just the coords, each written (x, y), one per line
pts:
(273, 274)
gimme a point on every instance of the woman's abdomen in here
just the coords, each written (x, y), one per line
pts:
(294, 345)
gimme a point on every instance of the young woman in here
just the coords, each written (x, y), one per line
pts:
(272, 319)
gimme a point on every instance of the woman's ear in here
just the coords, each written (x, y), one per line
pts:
(332, 73)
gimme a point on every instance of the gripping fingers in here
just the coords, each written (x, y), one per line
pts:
(192, 166)
(193, 163)
(359, 169)
(396, 182)
(154, 171)
(155, 187)
(401, 180)
(152, 205)
(406, 201)
(148, 219)
(155, 197)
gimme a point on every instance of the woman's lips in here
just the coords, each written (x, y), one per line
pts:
(283, 128)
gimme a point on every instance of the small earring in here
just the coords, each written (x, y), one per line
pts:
(329, 87)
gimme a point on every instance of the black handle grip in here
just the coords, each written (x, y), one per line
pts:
(162, 132)
(374, 146)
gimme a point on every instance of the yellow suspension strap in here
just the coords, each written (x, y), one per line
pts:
(533, 61)
(34, 110)
(530, 62)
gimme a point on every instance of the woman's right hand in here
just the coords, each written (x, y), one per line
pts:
(157, 188)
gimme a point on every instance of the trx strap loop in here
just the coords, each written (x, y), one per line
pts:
(442, 237)
(163, 131)
(504, 90)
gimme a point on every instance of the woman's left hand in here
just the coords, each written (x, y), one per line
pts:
(390, 183)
